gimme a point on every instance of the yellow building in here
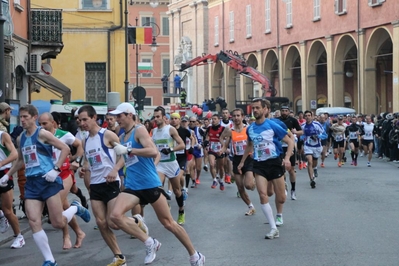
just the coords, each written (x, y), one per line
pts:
(92, 61)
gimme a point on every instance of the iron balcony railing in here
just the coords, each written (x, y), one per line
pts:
(46, 26)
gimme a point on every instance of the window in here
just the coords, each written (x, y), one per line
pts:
(95, 4)
(216, 31)
(149, 22)
(316, 10)
(248, 21)
(376, 2)
(289, 13)
(146, 74)
(231, 29)
(166, 101)
(96, 85)
(165, 26)
(165, 66)
(340, 7)
(267, 17)
(19, 78)
(148, 101)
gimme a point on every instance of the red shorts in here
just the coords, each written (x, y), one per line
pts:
(189, 156)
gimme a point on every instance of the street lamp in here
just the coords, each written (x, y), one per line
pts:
(154, 44)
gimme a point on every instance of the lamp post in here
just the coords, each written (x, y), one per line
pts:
(2, 64)
(126, 55)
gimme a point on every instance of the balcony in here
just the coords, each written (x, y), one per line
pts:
(46, 32)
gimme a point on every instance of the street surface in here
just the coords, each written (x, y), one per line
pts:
(349, 219)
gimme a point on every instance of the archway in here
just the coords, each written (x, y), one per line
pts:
(250, 90)
(271, 70)
(217, 82)
(317, 74)
(292, 85)
(378, 73)
(345, 77)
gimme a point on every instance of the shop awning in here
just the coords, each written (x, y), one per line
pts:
(52, 84)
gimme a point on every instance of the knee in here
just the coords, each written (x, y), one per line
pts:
(111, 224)
(115, 218)
(101, 223)
(169, 224)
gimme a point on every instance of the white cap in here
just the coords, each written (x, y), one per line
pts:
(77, 112)
(124, 108)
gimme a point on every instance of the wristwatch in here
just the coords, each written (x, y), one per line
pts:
(129, 150)
(171, 149)
(56, 168)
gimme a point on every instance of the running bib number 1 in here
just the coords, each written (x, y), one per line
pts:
(31, 158)
(240, 147)
(163, 156)
(130, 159)
(264, 151)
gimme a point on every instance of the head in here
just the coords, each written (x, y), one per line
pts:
(340, 119)
(300, 115)
(175, 120)
(368, 119)
(308, 116)
(28, 115)
(206, 122)
(57, 119)
(192, 122)
(215, 120)
(285, 111)
(353, 119)
(291, 113)
(260, 108)
(238, 116)
(46, 121)
(322, 118)
(277, 113)
(159, 116)
(88, 117)
(124, 114)
(167, 119)
(225, 114)
(5, 110)
(111, 120)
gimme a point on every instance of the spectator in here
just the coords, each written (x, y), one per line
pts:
(5, 114)
(177, 81)
(183, 97)
(165, 82)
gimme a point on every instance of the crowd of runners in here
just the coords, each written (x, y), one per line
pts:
(125, 165)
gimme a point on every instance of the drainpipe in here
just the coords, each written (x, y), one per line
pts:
(358, 58)
(112, 29)
(29, 50)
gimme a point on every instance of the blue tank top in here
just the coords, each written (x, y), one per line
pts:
(141, 172)
(37, 156)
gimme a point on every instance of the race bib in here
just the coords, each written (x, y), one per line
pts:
(339, 137)
(161, 146)
(31, 158)
(312, 142)
(95, 160)
(264, 151)
(353, 135)
(130, 159)
(215, 146)
(369, 134)
(239, 147)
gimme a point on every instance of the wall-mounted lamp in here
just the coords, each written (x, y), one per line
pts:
(154, 3)
(349, 74)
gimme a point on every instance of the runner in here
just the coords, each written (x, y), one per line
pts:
(368, 139)
(313, 134)
(300, 155)
(43, 182)
(264, 138)
(8, 154)
(238, 136)
(323, 120)
(227, 161)
(354, 131)
(198, 149)
(142, 187)
(338, 134)
(101, 168)
(164, 137)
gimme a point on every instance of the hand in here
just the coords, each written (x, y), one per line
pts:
(205, 143)
(51, 175)
(166, 151)
(191, 150)
(239, 167)
(4, 180)
(82, 171)
(74, 166)
(111, 176)
(120, 149)
(314, 137)
(287, 164)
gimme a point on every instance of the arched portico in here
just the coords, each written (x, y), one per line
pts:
(292, 85)
(317, 74)
(217, 81)
(249, 88)
(378, 73)
(271, 70)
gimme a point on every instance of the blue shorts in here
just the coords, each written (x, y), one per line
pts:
(198, 153)
(37, 188)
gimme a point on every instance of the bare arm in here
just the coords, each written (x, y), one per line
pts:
(149, 149)
(225, 139)
(79, 149)
(180, 143)
(47, 137)
(19, 163)
(6, 140)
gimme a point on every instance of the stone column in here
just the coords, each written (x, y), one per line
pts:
(330, 69)
(307, 94)
(395, 66)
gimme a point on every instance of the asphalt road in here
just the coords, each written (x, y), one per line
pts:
(349, 219)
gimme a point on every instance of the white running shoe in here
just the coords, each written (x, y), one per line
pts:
(274, 233)
(279, 220)
(4, 225)
(141, 224)
(152, 251)
(19, 242)
(293, 195)
(200, 261)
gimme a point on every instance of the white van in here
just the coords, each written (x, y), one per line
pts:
(57, 106)
(333, 111)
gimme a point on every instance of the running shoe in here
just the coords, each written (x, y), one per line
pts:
(193, 185)
(197, 181)
(322, 165)
(368, 164)
(339, 164)
(4, 225)
(19, 242)
(141, 224)
(286, 189)
(274, 233)
(118, 262)
(305, 165)
(279, 220)
(316, 174)
(181, 219)
(169, 193)
(361, 154)
(199, 262)
(221, 186)
(250, 212)
(152, 251)
(227, 179)
(185, 194)
(355, 162)
(238, 195)
(293, 195)
(214, 184)
(300, 166)
(313, 183)
(49, 263)
(335, 156)
(206, 168)
(82, 212)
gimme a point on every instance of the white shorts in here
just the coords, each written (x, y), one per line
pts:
(314, 151)
(169, 169)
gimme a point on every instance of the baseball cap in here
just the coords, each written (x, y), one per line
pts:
(124, 108)
(4, 106)
(175, 115)
(184, 118)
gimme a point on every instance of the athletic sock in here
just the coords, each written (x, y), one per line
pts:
(268, 212)
(70, 212)
(41, 241)
(293, 186)
(188, 177)
(353, 155)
